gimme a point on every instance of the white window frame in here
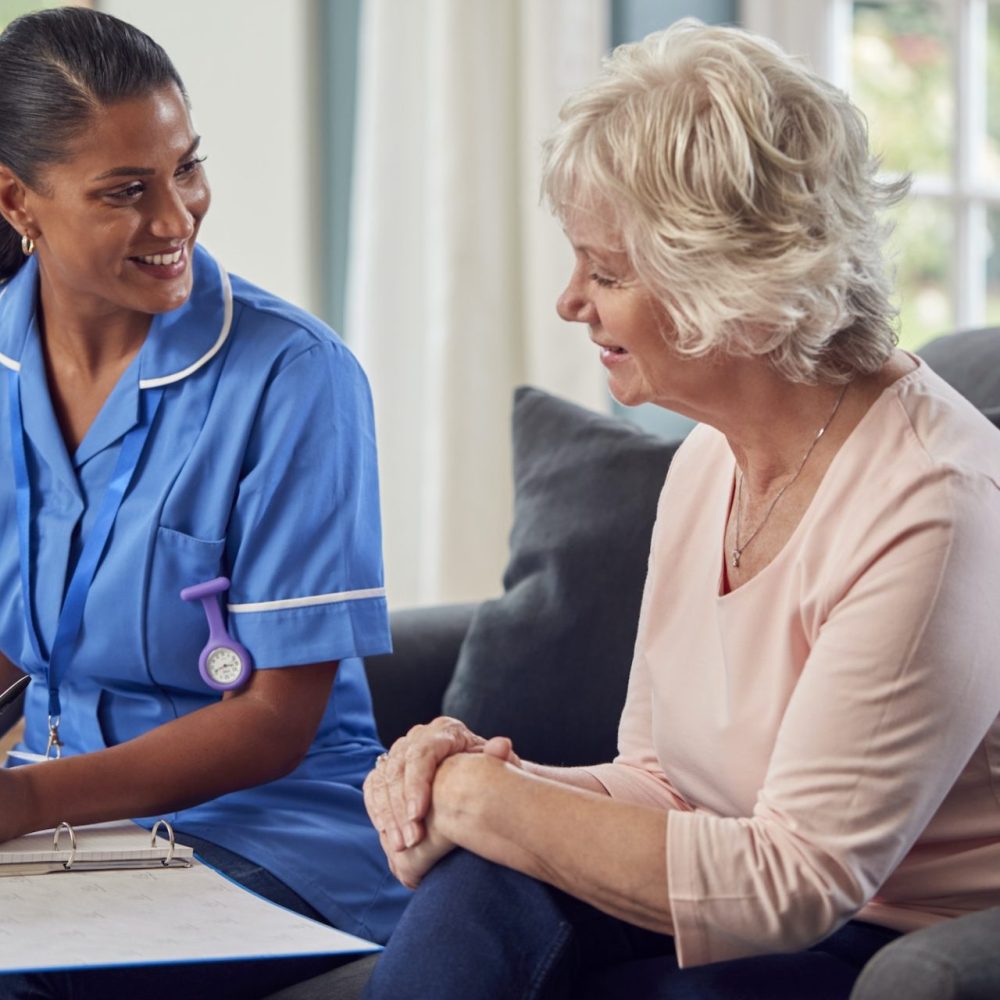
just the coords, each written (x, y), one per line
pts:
(792, 23)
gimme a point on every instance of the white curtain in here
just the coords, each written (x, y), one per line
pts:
(455, 266)
(817, 30)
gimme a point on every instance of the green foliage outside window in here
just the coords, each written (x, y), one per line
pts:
(903, 79)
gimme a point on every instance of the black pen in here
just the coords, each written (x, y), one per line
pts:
(11, 694)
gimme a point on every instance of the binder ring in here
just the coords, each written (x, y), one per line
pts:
(170, 839)
(68, 863)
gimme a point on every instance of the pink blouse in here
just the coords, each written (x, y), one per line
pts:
(826, 738)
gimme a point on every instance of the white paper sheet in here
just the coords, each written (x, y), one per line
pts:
(81, 919)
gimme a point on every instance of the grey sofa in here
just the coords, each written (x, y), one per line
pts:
(547, 662)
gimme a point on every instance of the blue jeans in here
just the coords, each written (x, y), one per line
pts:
(478, 931)
(239, 980)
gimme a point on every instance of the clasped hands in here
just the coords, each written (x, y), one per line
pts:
(400, 793)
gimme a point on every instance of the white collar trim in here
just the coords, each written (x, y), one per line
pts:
(154, 383)
(227, 322)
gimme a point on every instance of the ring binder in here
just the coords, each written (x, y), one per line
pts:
(68, 863)
(170, 834)
(100, 846)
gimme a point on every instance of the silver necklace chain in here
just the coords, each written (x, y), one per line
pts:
(738, 549)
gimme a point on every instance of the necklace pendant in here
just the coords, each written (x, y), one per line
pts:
(735, 558)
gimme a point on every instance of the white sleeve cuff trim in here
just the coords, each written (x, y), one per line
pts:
(307, 602)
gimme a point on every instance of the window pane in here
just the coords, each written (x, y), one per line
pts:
(921, 248)
(990, 165)
(993, 268)
(902, 79)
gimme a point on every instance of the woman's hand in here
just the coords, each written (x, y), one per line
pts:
(398, 790)
(411, 864)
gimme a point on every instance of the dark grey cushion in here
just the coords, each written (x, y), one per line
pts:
(547, 663)
(970, 362)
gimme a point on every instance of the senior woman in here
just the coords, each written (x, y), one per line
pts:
(162, 425)
(809, 746)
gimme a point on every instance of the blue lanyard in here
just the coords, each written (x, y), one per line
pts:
(71, 615)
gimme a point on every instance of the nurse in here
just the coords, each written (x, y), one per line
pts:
(163, 423)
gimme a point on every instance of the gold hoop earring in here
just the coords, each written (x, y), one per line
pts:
(27, 245)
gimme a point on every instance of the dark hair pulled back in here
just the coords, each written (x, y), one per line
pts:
(57, 67)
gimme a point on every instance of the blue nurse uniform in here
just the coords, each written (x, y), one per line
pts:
(259, 465)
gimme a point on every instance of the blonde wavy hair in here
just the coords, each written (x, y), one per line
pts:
(744, 194)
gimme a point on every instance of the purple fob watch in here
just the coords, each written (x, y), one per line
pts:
(224, 664)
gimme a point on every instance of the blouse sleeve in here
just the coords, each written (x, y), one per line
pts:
(896, 693)
(304, 539)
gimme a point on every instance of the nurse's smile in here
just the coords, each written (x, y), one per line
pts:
(165, 265)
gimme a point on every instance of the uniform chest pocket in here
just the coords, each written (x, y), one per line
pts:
(176, 630)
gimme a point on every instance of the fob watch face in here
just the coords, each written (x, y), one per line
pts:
(223, 665)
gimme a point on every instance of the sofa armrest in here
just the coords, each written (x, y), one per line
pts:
(408, 684)
(955, 960)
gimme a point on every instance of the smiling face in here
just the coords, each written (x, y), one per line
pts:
(115, 223)
(627, 323)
